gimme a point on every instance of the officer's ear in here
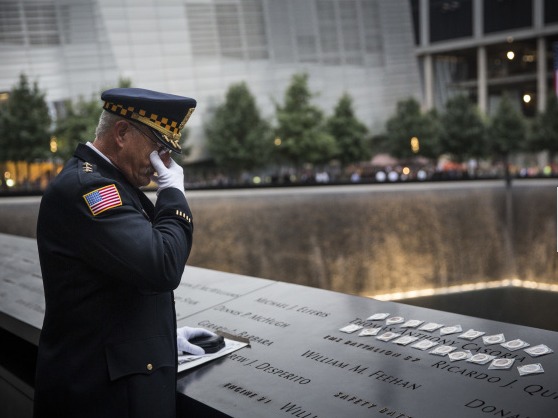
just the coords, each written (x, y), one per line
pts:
(121, 133)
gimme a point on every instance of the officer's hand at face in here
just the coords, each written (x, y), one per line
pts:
(169, 173)
(186, 333)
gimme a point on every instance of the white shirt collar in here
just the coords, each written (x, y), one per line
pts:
(90, 145)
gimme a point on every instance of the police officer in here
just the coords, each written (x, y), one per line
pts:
(110, 261)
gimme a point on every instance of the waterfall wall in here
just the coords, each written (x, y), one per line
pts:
(367, 239)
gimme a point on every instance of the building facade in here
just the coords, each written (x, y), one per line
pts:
(487, 48)
(198, 48)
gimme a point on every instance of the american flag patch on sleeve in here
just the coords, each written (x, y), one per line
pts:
(103, 199)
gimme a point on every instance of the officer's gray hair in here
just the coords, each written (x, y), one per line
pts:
(106, 122)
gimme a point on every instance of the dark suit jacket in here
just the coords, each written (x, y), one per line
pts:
(108, 342)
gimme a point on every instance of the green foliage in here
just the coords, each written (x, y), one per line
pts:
(349, 133)
(24, 124)
(463, 132)
(238, 138)
(506, 130)
(544, 135)
(78, 125)
(430, 133)
(301, 126)
(186, 149)
(506, 133)
(408, 122)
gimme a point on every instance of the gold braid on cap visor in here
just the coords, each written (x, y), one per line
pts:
(169, 129)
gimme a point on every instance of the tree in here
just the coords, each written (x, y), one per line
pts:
(238, 137)
(349, 133)
(409, 132)
(463, 132)
(301, 126)
(430, 132)
(77, 125)
(545, 129)
(506, 133)
(24, 124)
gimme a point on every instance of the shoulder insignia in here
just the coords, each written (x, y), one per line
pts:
(183, 215)
(103, 199)
(87, 167)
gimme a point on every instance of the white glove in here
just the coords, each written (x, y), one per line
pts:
(172, 176)
(186, 333)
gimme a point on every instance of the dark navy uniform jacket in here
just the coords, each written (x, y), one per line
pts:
(108, 342)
